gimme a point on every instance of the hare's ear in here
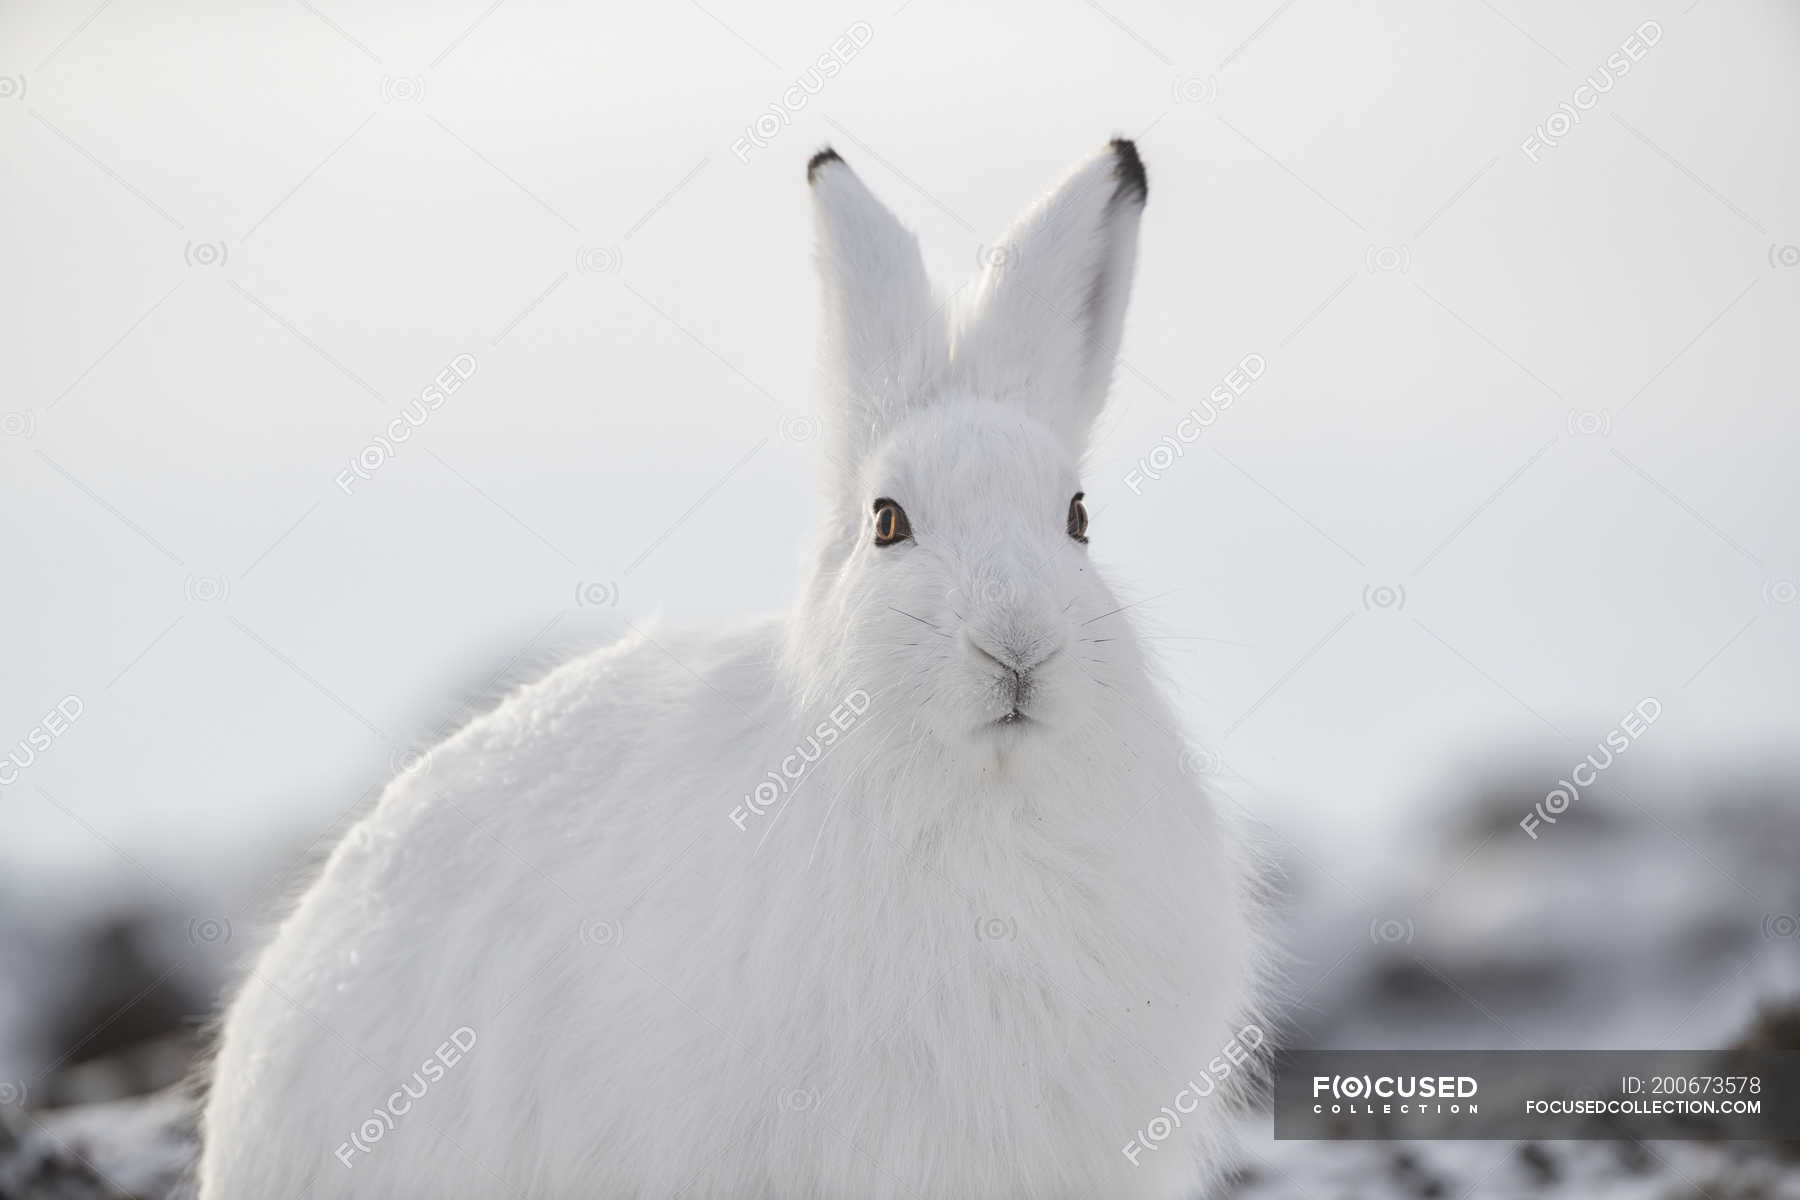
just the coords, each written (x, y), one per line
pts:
(886, 339)
(1046, 321)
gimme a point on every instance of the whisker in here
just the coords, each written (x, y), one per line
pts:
(920, 620)
(1123, 607)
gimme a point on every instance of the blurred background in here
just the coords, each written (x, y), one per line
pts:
(1504, 294)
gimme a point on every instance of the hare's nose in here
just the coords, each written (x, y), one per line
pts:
(1020, 656)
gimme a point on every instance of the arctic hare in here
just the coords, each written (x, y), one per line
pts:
(904, 894)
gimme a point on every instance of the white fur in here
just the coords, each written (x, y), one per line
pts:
(964, 959)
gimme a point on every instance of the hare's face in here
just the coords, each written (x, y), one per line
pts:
(969, 580)
(956, 580)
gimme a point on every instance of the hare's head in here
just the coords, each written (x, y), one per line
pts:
(956, 582)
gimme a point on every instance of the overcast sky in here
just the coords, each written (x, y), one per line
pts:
(1520, 454)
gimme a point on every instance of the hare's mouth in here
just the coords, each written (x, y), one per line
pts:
(1015, 717)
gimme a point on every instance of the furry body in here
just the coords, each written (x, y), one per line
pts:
(976, 929)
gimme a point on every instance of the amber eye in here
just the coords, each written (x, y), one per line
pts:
(891, 524)
(1078, 518)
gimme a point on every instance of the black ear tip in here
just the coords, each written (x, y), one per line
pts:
(827, 155)
(1128, 169)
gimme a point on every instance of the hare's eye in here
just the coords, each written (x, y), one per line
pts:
(1078, 518)
(891, 524)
